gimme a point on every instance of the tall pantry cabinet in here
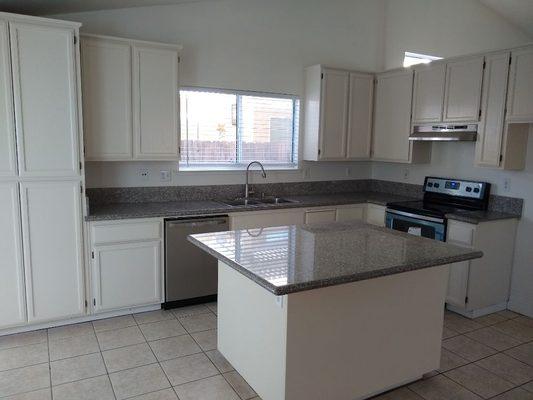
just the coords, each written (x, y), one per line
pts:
(41, 171)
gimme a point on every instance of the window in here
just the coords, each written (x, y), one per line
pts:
(223, 129)
(414, 58)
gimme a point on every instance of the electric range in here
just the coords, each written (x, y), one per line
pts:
(442, 196)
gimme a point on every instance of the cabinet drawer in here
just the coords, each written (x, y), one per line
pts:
(460, 233)
(127, 231)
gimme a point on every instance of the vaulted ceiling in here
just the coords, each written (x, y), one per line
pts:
(44, 7)
(518, 12)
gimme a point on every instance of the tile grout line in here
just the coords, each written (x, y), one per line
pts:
(105, 365)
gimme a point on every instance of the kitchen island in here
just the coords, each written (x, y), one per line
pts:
(338, 311)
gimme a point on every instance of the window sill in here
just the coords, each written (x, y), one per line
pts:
(235, 168)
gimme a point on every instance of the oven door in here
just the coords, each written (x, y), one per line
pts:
(419, 225)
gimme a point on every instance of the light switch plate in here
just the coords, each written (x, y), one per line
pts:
(164, 175)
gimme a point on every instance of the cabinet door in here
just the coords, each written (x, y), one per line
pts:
(334, 108)
(252, 220)
(375, 215)
(44, 82)
(127, 275)
(352, 213)
(52, 243)
(458, 284)
(107, 98)
(360, 111)
(520, 101)
(12, 301)
(315, 216)
(156, 103)
(491, 128)
(462, 97)
(428, 93)
(392, 116)
(7, 128)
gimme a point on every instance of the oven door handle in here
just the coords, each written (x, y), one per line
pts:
(416, 216)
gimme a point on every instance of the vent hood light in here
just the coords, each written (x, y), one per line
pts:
(444, 133)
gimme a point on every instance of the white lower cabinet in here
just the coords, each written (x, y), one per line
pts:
(320, 215)
(375, 214)
(126, 268)
(53, 250)
(12, 295)
(265, 219)
(481, 286)
(351, 213)
(126, 275)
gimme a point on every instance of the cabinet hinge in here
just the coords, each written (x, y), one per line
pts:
(484, 64)
(501, 157)
(86, 304)
(81, 166)
(318, 151)
(92, 255)
(466, 299)
(75, 39)
(510, 60)
(322, 76)
(179, 60)
(81, 189)
(179, 150)
(480, 112)
(94, 302)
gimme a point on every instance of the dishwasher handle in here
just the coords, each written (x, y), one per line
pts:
(197, 222)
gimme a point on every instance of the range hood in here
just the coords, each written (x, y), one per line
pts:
(444, 133)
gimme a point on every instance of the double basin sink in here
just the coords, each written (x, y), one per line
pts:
(253, 202)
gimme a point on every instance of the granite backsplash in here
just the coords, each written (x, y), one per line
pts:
(100, 196)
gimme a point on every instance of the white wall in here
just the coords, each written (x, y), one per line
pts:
(444, 28)
(249, 45)
(450, 28)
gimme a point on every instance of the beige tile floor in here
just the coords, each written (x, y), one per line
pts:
(169, 355)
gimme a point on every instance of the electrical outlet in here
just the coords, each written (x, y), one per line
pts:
(144, 174)
(406, 174)
(348, 171)
(507, 185)
(164, 175)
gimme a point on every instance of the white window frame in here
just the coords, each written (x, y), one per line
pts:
(424, 58)
(242, 166)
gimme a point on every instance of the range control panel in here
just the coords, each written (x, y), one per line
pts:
(454, 187)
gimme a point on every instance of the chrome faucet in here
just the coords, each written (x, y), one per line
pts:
(263, 173)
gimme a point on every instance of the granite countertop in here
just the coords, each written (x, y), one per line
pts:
(291, 259)
(114, 211)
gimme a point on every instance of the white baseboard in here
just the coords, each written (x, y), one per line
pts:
(478, 312)
(92, 317)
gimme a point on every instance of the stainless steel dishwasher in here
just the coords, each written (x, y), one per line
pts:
(190, 273)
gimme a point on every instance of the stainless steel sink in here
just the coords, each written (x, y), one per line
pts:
(242, 202)
(276, 200)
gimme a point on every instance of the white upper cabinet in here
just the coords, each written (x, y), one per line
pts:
(334, 106)
(53, 249)
(107, 99)
(360, 109)
(491, 127)
(156, 103)
(428, 93)
(12, 296)
(392, 116)
(520, 100)
(338, 114)
(130, 99)
(462, 97)
(45, 93)
(8, 167)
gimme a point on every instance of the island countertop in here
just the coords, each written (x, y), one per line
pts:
(291, 259)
